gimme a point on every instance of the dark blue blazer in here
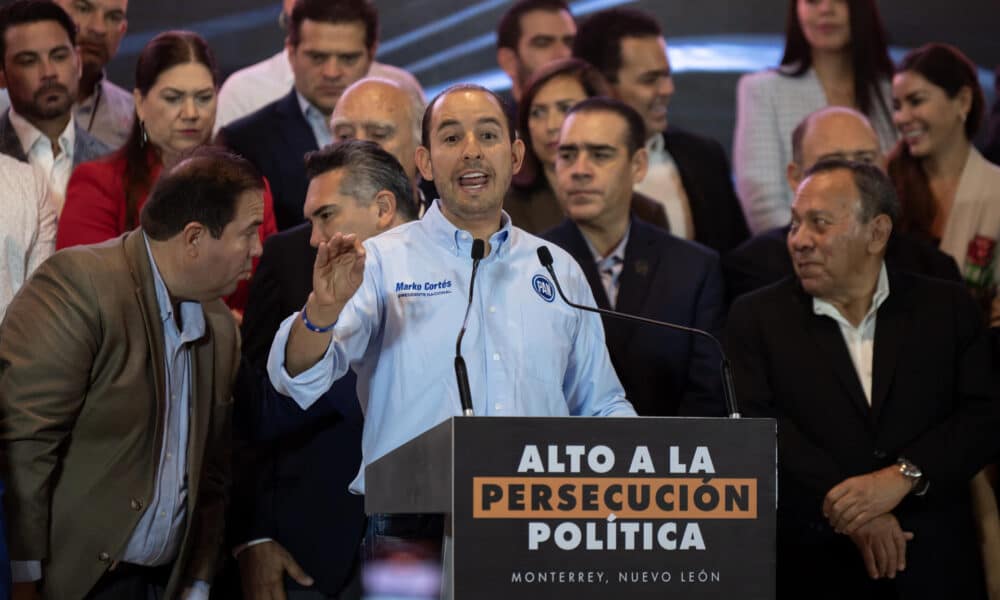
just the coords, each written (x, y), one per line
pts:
(664, 372)
(275, 139)
(293, 486)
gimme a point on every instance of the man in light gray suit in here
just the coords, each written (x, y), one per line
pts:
(41, 68)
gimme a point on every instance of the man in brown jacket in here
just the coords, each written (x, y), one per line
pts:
(116, 364)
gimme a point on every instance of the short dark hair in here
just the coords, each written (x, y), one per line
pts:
(23, 12)
(635, 133)
(875, 189)
(368, 169)
(203, 187)
(509, 26)
(334, 11)
(425, 124)
(598, 38)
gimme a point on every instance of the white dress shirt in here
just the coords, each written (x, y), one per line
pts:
(860, 340)
(663, 184)
(38, 148)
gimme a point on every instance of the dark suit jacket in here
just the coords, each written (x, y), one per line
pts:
(275, 139)
(82, 410)
(664, 372)
(704, 169)
(296, 491)
(934, 402)
(764, 259)
(85, 148)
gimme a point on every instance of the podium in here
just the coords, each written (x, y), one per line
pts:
(594, 507)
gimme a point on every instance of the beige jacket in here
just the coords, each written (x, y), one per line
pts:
(81, 417)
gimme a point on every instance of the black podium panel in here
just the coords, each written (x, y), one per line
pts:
(595, 507)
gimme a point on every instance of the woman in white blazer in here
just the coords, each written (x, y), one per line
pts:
(835, 54)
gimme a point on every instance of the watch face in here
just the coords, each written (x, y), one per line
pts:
(909, 469)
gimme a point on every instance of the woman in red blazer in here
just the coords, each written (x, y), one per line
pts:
(175, 100)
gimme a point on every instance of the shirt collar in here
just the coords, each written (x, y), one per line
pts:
(656, 145)
(96, 92)
(192, 314)
(307, 107)
(824, 308)
(459, 241)
(617, 254)
(29, 135)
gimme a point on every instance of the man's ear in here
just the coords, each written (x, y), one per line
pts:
(793, 175)
(640, 165)
(516, 155)
(881, 229)
(508, 61)
(193, 233)
(385, 202)
(422, 155)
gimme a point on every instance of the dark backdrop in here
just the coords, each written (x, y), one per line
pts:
(446, 40)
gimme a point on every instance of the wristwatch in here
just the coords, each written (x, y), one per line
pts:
(916, 477)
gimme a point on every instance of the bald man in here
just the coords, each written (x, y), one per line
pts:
(383, 111)
(832, 132)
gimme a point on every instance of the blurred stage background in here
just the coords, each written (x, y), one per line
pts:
(711, 42)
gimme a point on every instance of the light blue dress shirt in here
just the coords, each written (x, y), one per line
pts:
(157, 537)
(318, 122)
(527, 352)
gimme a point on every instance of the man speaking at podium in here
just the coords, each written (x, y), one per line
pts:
(392, 307)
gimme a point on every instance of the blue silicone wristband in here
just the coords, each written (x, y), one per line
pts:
(312, 326)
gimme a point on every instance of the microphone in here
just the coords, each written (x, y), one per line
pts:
(728, 389)
(461, 373)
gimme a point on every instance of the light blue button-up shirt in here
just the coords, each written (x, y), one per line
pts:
(527, 352)
(318, 122)
(157, 537)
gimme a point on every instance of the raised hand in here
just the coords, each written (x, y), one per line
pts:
(337, 274)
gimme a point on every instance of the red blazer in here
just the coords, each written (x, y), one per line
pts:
(95, 209)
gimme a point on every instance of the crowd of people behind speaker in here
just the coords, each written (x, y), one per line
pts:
(652, 213)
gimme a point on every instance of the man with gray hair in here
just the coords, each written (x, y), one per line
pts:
(880, 428)
(355, 187)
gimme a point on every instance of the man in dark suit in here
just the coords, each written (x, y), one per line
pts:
(330, 46)
(296, 511)
(116, 370)
(40, 68)
(831, 132)
(880, 428)
(637, 268)
(687, 173)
